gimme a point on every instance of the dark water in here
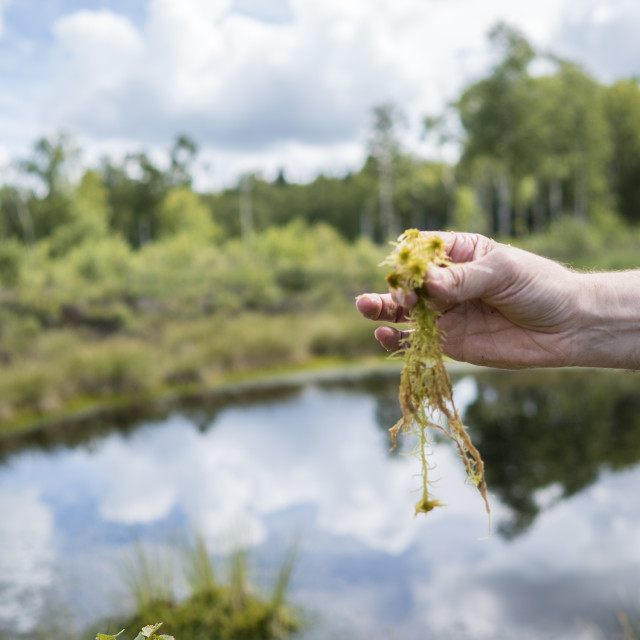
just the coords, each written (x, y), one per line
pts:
(562, 452)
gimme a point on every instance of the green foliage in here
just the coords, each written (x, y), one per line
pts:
(622, 107)
(496, 111)
(534, 147)
(328, 336)
(112, 368)
(198, 568)
(50, 163)
(149, 576)
(16, 219)
(136, 188)
(11, 253)
(103, 320)
(181, 211)
(351, 204)
(607, 243)
(467, 213)
(89, 216)
(149, 631)
(31, 386)
(100, 262)
(231, 610)
(92, 270)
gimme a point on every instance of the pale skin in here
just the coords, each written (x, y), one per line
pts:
(508, 308)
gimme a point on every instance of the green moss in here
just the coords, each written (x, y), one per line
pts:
(425, 388)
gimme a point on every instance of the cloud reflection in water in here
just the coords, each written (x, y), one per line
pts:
(319, 462)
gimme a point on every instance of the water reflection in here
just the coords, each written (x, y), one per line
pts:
(26, 529)
(560, 449)
(200, 409)
(548, 435)
(261, 460)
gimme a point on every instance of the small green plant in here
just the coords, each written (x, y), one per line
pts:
(146, 633)
(228, 609)
(425, 387)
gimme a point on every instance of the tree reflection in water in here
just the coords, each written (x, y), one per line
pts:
(535, 429)
(541, 429)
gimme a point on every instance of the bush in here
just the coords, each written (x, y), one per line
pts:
(343, 337)
(180, 311)
(232, 610)
(33, 388)
(11, 252)
(604, 244)
(105, 261)
(113, 367)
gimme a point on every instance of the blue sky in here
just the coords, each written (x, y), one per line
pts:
(261, 84)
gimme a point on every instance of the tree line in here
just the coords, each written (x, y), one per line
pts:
(532, 147)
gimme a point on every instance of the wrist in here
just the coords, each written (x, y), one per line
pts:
(609, 319)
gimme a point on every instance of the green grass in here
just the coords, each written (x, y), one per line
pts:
(224, 609)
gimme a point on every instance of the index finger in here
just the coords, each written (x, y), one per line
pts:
(380, 307)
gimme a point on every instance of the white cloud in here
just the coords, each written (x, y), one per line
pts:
(98, 51)
(603, 36)
(3, 6)
(206, 474)
(256, 462)
(272, 11)
(561, 564)
(238, 85)
(26, 562)
(324, 451)
(251, 81)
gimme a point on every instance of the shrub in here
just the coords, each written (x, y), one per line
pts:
(11, 252)
(113, 367)
(341, 336)
(31, 388)
(226, 611)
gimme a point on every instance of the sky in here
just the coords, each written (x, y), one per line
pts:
(261, 85)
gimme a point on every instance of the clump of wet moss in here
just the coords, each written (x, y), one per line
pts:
(425, 392)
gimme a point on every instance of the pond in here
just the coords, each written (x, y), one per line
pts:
(311, 466)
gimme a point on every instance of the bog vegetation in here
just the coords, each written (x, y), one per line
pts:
(128, 282)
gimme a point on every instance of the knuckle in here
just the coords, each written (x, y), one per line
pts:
(457, 282)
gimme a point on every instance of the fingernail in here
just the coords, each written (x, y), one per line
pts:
(369, 305)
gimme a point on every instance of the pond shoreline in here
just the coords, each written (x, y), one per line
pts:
(263, 381)
(259, 381)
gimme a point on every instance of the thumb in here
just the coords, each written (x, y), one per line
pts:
(462, 282)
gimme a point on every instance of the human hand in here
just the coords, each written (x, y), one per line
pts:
(500, 306)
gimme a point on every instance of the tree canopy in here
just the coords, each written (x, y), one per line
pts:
(532, 148)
